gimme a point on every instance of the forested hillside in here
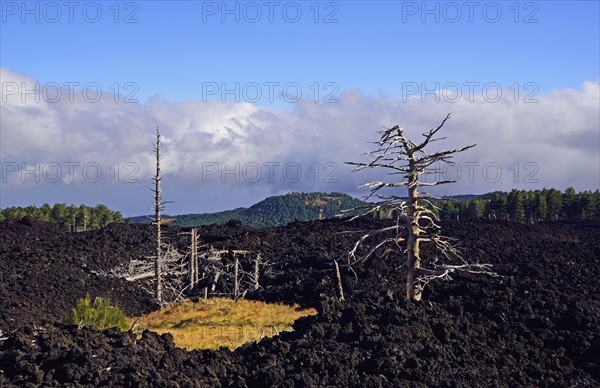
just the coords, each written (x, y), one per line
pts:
(278, 210)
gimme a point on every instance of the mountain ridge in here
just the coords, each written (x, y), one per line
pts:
(276, 210)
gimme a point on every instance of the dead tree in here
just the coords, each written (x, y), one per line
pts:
(256, 272)
(193, 263)
(231, 273)
(236, 284)
(416, 220)
(158, 207)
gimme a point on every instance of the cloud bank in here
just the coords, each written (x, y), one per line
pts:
(216, 155)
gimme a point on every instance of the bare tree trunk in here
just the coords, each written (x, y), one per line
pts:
(193, 263)
(235, 274)
(195, 260)
(256, 284)
(412, 225)
(157, 221)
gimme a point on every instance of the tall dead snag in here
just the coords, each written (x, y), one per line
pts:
(158, 206)
(416, 220)
(236, 284)
(256, 272)
(193, 263)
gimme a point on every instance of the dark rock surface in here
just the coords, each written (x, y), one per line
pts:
(536, 325)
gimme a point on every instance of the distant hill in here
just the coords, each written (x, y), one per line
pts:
(273, 211)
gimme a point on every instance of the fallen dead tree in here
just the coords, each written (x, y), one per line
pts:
(202, 271)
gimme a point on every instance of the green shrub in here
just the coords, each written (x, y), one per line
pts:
(99, 314)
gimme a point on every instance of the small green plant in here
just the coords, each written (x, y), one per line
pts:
(99, 314)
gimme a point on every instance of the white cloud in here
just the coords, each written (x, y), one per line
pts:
(559, 134)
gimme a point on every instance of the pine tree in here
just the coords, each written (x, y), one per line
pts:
(496, 207)
(514, 204)
(472, 209)
(83, 218)
(448, 210)
(541, 206)
(45, 213)
(529, 205)
(554, 200)
(595, 205)
(570, 205)
(59, 214)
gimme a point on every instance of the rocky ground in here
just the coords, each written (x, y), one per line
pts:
(538, 324)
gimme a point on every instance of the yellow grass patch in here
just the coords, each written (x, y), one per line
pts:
(213, 323)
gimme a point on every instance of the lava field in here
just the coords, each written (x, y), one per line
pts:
(536, 324)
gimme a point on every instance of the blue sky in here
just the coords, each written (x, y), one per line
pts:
(170, 50)
(378, 56)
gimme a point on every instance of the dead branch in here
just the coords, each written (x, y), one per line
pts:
(339, 280)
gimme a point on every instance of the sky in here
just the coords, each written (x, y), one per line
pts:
(262, 98)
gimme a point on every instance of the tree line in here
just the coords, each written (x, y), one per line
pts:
(516, 205)
(75, 218)
(526, 206)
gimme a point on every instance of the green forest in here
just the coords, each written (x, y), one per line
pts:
(72, 217)
(516, 205)
(526, 206)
